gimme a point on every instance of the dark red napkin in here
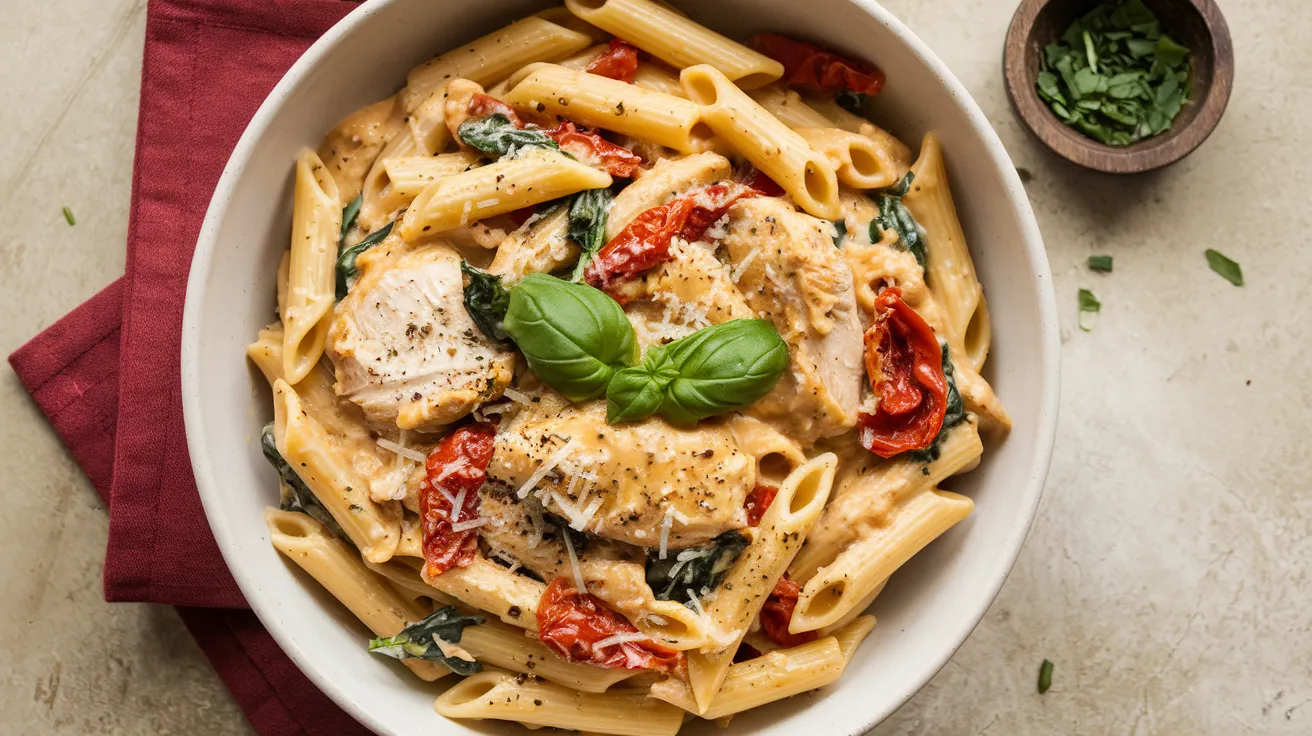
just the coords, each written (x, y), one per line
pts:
(106, 375)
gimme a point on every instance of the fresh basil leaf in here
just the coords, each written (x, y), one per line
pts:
(636, 393)
(347, 273)
(723, 367)
(300, 498)
(895, 217)
(953, 414)
(588, 212)
(416, 640)
(1089, 306)
(350, 213)
(1224, 267)
(1102, 264)
(486, 301)
(573, 336)
(699, 569)
(496, 136)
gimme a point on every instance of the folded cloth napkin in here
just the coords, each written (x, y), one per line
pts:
(107, 374)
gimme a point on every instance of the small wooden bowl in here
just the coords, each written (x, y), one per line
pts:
(1197, 24)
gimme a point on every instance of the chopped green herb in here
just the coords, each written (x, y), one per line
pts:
(588, 212)
(1114, 75)
(298, 497)
(349, 214)
(495, 135)
(1089, 306)
(894, 216)
(1045, 676)
(1102, 264)
(486, 300)
(1228, 269)
(853, 102)
(840, 230)
(419, 640)
(68, 216)
(347, 273)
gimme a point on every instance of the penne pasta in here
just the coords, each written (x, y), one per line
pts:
(410, 175)
(749, 582)
(588, 99)
(761, 138)
(496, 694)
(949, 270)
(340, 571)
(676, 40)
(536, 176)
(311, 281)
(857, 161)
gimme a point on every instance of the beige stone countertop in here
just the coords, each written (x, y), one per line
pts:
(1167, 573)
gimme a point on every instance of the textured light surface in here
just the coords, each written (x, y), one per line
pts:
(1167, 574)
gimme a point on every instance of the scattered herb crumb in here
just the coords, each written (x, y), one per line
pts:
(1226, 268)
(68, 216)
(1101, 264)
(1089, 306)
(1045, 676)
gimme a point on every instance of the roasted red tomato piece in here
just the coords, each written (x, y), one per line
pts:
(645, 242)
(778, 611)
(580, 628)
(905, 365)
(761, 182)
(595, 151)
(811, 67)
(481, 106)
(758, 502)
(618, 61)
(456, 469)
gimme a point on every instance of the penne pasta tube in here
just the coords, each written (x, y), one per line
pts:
(536, 176)
(749, 582)
(488, 586)
(493, 57)
(761, 138)
(677, 40)
(840, 586)
(589, 99)
(775, 675)
(857, 161)
(497, 695)
(266, 352)
(311, 283)
(777, 455)
(340, 571)
(409, 175)
(857, 612)
(812, 112)
(509, 648)
(665, 181)
(866, 502)
(307, 447)
(949, 270)
(658, 78)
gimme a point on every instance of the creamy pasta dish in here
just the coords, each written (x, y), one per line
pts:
(618, 365)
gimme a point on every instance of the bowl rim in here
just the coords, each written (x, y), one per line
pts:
(198, 282)
(1070, 145)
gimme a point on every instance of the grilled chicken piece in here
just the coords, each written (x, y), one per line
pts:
(683, 295)
(403, 345)
(635, 474)
(791, 274)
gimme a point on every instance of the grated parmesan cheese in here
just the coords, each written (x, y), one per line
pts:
(518, 397)
(665, 534)
(589, 513)
(620, 639)
(451, 468)
(457, 505)
(464, 212)
(482, 204)
(737, 271)
(696, 603)
(471, 524)
(574, 563)
(402, 450)
(547, 467)
(452, 650)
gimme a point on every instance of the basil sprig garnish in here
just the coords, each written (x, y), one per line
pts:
(496, 136)
(416, 640)
(714, 370)
(573, 336)
(588, 212)
(300, 498)
(486, 301)
(347, 273)
(699, 569)
(893, 215)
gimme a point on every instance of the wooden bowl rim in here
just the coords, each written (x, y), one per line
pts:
(1074, 146)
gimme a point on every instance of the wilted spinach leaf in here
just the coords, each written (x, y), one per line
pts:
(588, 212)
(699, 569)
(301, 498)
(347, 273)
(416, 640)
(894, 216)
(486, 300)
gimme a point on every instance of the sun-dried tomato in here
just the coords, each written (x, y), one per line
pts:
(618, 61)
(595, 151)
(905, 365)
(456, 469)
(571, 623)
(811, 67)
(778, 612)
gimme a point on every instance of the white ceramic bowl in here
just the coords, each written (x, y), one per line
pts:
(931, 605)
